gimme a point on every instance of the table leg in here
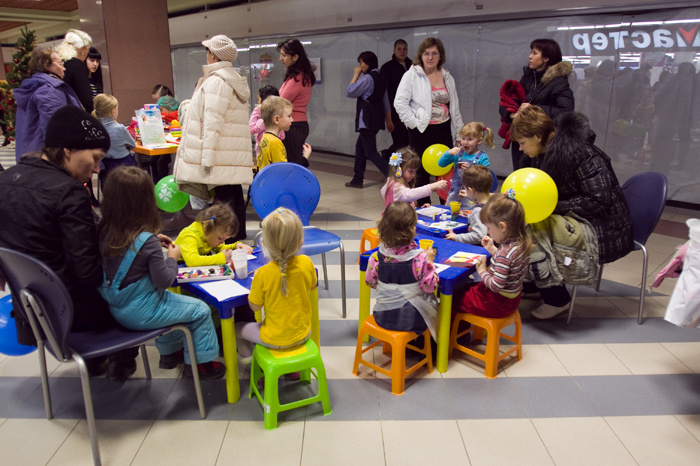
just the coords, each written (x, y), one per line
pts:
(364, 303)
(228, 335)
(443, 341)
(315, 330)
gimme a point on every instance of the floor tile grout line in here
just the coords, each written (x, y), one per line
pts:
(619, 439)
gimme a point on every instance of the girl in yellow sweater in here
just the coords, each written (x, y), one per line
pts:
(202, 243)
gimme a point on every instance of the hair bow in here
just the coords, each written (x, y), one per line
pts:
(510, 193)
(396, 159)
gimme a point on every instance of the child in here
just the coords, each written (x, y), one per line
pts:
(256, 124)
(202, 243)
(476, 183)
(498, 292)
(402, 274)
(399, 186)
(276, 113)
(282, 287)
(107, 111)
(137, 275)
(160, 90)
(465, 154)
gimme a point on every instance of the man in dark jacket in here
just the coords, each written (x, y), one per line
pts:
(392, 71)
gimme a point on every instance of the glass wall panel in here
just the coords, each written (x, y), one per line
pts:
(635, 77)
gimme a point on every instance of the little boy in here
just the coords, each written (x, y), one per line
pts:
(255, 123)
(276, 113)
(476, 183)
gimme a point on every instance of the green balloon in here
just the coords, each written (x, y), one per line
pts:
(168, 197)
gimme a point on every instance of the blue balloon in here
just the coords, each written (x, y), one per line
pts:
(8, 331)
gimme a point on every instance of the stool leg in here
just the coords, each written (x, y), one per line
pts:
(358, 351)
(398, 368)
(519, 335)
(323, 388)
(272, 401)
(492, 343)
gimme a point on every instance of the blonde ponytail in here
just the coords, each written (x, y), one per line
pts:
(283, 235)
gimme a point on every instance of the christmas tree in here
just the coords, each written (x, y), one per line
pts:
(20, 71)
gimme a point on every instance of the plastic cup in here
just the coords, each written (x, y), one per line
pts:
(239, 258)
(425, 244)
(455, 206)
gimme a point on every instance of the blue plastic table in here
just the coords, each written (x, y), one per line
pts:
(451, 279)
(437, 232)
(226, 312)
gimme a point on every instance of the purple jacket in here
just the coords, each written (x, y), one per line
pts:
(37, 99)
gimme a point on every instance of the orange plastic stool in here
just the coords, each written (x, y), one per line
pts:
(370, 235)
(396, 342)
(493, 326)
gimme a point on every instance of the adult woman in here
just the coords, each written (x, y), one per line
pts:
(74, 51)
(586, 182)
(39, 97)
(215, 148)
(372, 111)
(427, 103)
(47, 214)
(296, 88)
(94, 71)
(546, 84)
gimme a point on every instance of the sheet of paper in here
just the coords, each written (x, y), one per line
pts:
(440, 267)
(430, 211)
(251, 257)
(225, 289)
(446, 225)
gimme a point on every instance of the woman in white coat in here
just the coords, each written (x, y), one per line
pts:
(215, 151)
(427, 103)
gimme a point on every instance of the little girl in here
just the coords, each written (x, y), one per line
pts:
(202, 243)
(256, 124)
(107, 111)
(402, 274)
(399, 186)
(137, 275)
(498, 292)
(465, 154)
(282, 286)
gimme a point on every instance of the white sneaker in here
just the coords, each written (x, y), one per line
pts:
(547, 311)
(244, 361)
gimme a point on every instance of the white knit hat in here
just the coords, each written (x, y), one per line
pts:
(222, 47)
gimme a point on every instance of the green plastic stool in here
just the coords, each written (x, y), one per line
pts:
(275, 363)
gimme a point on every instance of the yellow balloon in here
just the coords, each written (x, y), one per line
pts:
(535, 190)
(430, 159)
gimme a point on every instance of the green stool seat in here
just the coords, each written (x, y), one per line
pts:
(272, 364)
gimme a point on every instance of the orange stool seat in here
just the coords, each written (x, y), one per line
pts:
(370, 235)
(494, 327)
(396, 342)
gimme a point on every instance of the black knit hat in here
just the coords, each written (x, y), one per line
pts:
(73, 128)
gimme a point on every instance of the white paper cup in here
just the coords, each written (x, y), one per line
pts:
(240, 263)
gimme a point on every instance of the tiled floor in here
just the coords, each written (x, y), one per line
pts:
(602, 390)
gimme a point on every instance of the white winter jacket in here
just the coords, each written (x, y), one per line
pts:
(413, 100)
(215, 148)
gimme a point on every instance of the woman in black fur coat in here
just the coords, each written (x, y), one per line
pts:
(586, 182)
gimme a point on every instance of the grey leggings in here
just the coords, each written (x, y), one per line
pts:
(248, 335)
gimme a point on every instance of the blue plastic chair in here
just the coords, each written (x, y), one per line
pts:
(294, 187)
(645, 194)
(494, 185)
(49, 309)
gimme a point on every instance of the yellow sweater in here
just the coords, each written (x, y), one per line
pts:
(196, 251)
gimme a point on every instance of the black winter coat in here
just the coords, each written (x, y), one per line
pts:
(587, 185)
(548, 89)
(392, 72)
(46, 213)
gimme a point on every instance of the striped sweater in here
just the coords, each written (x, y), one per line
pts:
(508, 268)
